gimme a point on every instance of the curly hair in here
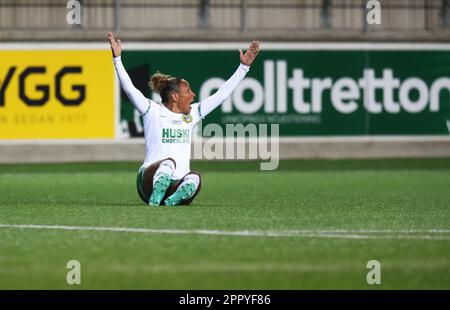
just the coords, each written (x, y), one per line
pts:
(164, 85)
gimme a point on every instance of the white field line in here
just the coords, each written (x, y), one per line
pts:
(414, 234)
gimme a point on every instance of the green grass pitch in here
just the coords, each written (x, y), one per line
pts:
(311, 224)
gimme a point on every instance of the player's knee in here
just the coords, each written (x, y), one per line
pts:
(194, 177)
(194, 173)
(169, 162)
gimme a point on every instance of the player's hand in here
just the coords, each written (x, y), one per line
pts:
(116, 45)
(250, 54)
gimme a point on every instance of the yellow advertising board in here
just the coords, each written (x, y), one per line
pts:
(56, 94)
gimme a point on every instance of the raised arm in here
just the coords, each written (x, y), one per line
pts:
(136, 97)
(213, 101)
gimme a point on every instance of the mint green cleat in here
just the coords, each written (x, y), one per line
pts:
(185, 191)
(159, 189)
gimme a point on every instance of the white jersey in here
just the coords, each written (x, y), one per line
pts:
(168, 134)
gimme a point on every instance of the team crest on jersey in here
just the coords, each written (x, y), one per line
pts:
(187, 118)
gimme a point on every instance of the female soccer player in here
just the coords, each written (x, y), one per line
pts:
(165, 176)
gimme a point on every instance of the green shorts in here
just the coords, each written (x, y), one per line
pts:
(140, 185)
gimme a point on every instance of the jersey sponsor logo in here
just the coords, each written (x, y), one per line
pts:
(187, 118)
(170, 135)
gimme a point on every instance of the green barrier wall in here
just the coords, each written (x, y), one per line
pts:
(312, 92)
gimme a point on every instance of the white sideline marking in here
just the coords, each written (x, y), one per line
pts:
(414, 234)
